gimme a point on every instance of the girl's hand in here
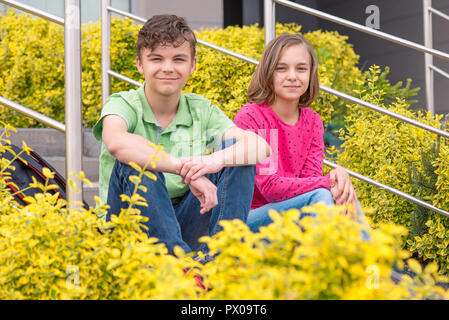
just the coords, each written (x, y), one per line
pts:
(342, 189)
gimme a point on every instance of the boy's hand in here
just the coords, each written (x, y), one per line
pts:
(206, 193)
(195, 167)
(342, 189)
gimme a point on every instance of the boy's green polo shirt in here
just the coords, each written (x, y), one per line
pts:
(197, 126)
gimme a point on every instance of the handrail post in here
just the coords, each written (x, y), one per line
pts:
(105, 44)
(269, 20)
(428, 58)
(73, 115)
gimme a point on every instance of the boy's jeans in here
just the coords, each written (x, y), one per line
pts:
(182, 224)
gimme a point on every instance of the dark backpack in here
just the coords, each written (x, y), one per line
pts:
(23, 173)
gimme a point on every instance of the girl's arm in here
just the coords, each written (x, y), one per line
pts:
(276, 188)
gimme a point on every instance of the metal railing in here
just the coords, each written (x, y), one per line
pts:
(73, 114)
(428, 59)
(269, 7)
(73, 118)
(426, 49)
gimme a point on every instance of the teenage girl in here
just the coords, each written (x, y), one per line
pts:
(282, 88)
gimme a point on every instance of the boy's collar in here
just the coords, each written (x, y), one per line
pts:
(183, 116)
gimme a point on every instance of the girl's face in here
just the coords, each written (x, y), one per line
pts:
(292, 74)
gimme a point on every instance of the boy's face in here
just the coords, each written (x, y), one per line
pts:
(166, 69)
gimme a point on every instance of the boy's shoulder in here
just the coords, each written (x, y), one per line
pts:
(130, 97)
(196, 100)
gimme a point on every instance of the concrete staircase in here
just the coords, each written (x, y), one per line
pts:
(50, 145)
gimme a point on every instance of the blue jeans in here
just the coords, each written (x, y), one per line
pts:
(259, 217)
(182, 224)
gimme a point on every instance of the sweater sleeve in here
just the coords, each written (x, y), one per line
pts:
(274, 187)
(313, 164)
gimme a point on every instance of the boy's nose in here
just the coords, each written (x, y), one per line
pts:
(167, 66)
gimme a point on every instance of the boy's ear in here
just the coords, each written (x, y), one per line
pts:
(193, 65)
(139, 65)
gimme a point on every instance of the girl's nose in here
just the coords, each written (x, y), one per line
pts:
(291, 73)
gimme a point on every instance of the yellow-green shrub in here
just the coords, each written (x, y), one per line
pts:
(32, 66)
(316, 258)
(384, 149)
(32, 74)
(47, 252)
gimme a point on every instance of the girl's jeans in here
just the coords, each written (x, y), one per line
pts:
(259, 217)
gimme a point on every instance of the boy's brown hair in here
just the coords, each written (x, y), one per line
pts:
(261, 88)
(165, 29)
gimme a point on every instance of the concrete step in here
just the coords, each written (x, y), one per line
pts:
(90, 166)
(89, 193)
(50, 145)
(51, 142)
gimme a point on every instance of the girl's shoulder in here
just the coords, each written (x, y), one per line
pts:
(253, 108)
(253, 111)
(311, 115)
(253, 115)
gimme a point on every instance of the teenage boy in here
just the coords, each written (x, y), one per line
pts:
(193, 191)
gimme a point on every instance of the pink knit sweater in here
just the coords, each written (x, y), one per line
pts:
(296, 164)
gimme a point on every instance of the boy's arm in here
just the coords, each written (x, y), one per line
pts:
(126, 147)
(249, 149)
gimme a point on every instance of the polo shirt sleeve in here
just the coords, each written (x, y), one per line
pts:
(116, 105)
(217, 125)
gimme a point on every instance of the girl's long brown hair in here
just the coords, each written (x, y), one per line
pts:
(261, 88)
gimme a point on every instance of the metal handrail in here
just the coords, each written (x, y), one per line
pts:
(359, 27)
(124, 78)
(385, 111)
(389, 189)
(439, 13)
(33, 114)
(72, 62)
(428, 60)
(332, 91)
(438, 70)
(34, 11)
(427, 49)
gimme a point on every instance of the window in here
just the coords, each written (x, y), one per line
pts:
(90, 9)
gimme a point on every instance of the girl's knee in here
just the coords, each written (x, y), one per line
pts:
(323, 195)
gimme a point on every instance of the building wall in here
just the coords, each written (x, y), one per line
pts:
(198, 13)
(402, 18)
